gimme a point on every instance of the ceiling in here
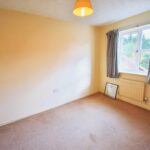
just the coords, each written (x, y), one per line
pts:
(105, 11)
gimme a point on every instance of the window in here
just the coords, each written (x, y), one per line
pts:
(134, 50)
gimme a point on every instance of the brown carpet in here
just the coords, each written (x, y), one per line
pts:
(92, 123)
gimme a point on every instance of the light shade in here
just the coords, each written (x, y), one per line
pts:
(83, 8)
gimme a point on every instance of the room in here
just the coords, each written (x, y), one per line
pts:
(74, 75)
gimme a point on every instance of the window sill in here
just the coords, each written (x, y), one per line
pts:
(133, 76)
(133, 73)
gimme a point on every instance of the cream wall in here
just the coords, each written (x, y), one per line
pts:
(101, 46)
(43, 63)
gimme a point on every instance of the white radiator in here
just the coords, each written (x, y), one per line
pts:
(132, 89)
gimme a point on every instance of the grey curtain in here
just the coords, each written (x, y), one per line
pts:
(112, 44)
(148, 75)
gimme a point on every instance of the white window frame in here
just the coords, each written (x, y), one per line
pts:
(139, 46)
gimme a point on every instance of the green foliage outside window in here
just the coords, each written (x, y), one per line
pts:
(129, 45)
(145, 43)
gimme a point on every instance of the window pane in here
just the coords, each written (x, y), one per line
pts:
(129, 45)
(146, 39)
(134, 50)
(145, 56)
(128, 55)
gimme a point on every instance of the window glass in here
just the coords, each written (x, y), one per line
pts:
(145, 50)
(146, 39)
(144, 62)
(128, 50)
(134, 50)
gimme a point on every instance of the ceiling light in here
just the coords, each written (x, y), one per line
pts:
(83, 8)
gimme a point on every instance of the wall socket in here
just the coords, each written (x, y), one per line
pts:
(55, 91)
(146, 99)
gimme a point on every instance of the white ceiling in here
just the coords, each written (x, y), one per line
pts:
(106, 11)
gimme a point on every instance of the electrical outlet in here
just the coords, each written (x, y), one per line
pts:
(55, 91)
(146, 99)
